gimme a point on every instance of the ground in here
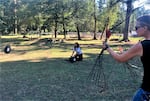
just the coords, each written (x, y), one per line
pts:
(37, 70)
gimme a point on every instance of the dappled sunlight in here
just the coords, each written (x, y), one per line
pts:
(53, 50)
(32, 65)
(36, 49)
(32, 55)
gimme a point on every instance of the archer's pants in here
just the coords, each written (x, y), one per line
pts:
(141, 95)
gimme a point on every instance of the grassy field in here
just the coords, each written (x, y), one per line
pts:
(38, 71)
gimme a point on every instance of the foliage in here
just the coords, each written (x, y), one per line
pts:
(61, 15)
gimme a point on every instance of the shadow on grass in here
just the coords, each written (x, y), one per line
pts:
(14, 41)
(20, 49)
(55, 79)
(58, 80)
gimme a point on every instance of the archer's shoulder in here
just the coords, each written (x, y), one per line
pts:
(145, 41)
(138, 45)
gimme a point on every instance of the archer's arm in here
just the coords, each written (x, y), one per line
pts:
(135, 50)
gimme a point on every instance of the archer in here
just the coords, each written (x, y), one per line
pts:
(141, 49)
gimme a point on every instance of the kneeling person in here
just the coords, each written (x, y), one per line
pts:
(77, 53)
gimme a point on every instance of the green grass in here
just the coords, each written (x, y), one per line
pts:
(34, 71)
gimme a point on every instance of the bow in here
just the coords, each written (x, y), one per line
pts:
(97, 73)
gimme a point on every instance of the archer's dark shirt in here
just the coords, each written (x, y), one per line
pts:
(146, 64)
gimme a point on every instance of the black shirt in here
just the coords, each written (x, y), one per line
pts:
(146, 64)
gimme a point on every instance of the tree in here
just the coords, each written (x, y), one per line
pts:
(76, 15)
(129, 12)
(108, 10)
(80, 13)
(53, 9)
(6, 16)
(65, 16)
(127, 21)
(95, 20)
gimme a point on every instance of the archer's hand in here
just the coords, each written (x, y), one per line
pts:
(105, 45)
(120, 48)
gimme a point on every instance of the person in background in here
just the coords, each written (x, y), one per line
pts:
(141, 49)
(77, 53)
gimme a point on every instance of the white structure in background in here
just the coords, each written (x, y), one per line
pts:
(133, 33)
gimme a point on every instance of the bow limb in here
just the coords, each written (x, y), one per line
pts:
(105, 27)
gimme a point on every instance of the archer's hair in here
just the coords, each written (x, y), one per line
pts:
(144, 21)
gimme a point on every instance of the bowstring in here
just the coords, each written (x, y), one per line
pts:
(132, 66)
(97, 73)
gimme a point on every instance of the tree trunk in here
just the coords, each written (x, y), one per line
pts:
(78, 32)
(128, 15)
(64, 28)
(95, 33)
(95, 21)
(55, 30)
